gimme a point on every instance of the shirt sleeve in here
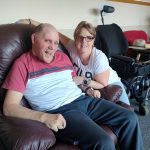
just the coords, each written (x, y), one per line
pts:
(68, 61)
(17, 78)
(101, 63)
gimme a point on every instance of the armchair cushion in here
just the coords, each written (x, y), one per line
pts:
(24, 134)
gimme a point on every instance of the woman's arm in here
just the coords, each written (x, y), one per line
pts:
(101, 80)
(63, 38)
(90, 91)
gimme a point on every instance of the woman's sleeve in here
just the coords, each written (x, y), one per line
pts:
(101, 63)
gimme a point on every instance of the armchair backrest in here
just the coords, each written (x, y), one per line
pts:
(15, 39)
(111, 40)
(132, 35)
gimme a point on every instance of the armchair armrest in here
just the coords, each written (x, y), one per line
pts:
(24, 134)
(122, 104)
(111, 92)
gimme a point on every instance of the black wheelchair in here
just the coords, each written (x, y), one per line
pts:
(135, 75)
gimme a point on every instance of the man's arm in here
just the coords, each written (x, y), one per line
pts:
(13, 108)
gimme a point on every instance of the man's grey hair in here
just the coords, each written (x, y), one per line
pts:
(41, 26)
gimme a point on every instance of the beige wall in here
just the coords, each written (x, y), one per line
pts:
(66, 14)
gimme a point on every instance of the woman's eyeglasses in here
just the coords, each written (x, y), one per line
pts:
(87, 38)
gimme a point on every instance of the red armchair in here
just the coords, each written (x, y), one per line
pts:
(132, 35)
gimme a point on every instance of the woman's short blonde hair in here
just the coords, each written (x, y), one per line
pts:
(88, 26)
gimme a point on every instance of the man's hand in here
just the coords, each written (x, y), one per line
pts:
(54, 121)
(13, 108)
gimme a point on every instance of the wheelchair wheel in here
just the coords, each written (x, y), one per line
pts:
(143, 109)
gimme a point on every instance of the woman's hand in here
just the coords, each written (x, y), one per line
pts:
(24, 21)
(93, 93)
(96, 94)
(28, 21)
(54, 121)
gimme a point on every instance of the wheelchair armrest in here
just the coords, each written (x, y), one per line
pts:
(126, 59)
(124, 66)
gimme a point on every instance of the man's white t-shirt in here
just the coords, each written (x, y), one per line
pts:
(46, 86)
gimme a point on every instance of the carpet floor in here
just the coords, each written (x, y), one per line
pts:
(144, 122)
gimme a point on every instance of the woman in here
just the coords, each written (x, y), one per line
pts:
(91, 64)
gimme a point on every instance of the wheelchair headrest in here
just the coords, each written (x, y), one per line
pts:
(111, 40)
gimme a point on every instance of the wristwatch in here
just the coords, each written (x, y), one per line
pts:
(86, 81)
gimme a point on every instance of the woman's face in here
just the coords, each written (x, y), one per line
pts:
(84, 42)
